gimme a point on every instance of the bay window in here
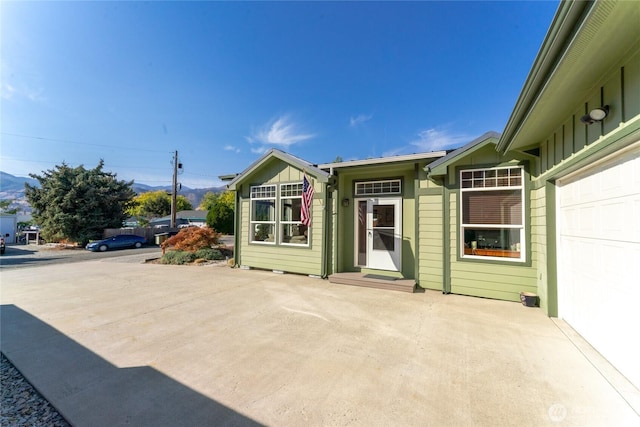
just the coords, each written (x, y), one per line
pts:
(492, 213)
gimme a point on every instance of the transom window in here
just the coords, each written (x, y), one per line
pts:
(390, 186)
(276, 215)
(492, 213)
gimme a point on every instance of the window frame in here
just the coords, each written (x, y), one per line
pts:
(508, 254)
(282, 222)
(254, 223)
(278, 225)
(378, 188)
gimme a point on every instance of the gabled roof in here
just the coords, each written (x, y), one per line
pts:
(585, 39)
(307, 167)
(439, 167)
(383, 160)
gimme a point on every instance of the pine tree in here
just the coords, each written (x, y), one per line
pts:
(77, 204)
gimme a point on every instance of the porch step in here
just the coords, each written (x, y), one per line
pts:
(373, 281)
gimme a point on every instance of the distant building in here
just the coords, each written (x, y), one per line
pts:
(183, 219)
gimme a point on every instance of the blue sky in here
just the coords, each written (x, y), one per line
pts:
(221, 82)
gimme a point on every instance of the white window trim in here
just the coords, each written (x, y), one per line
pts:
(358, 193)
(253, 222)
(283, 223)
(462, 226)
(278, 223)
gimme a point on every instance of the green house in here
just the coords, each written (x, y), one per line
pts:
(550, 207)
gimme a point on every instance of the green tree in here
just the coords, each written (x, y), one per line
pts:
(154, 204)
(77, 204)
(4, 207)
(220, 215)
(208, 200)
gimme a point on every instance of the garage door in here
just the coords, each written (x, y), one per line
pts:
(599, 258)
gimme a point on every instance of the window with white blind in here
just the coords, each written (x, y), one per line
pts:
(492, 213)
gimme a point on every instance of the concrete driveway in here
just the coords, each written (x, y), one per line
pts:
(116, 342)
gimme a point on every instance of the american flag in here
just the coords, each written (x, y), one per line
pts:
(307, 200)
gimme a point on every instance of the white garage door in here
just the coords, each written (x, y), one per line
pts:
(599, 258)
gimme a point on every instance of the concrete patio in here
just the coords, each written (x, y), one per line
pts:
(117, 342)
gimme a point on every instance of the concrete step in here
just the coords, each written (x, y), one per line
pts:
(373, 281)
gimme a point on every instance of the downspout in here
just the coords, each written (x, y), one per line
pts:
(416, 234)
(236, 231)
(326, 231)
(446, 238)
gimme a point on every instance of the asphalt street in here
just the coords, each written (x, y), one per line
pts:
(20, 256)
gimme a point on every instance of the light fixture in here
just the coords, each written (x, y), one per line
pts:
(595, 115)
(345, 203)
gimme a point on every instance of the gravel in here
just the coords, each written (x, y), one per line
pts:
(22, 405)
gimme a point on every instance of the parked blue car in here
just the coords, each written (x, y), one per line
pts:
(117, 242)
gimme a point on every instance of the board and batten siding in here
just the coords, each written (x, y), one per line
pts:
(573, 145)
(486, 279)
(430, 250)
(291, 259)
(620, 89)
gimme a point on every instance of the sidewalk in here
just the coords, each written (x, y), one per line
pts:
(117, 343)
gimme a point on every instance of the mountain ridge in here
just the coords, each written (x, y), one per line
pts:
(12, 188)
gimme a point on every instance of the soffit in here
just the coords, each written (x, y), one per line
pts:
(610, 31)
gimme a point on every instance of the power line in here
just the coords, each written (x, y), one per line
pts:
(83, 143)
(108, 165)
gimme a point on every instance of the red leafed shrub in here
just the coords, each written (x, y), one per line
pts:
(191, 239)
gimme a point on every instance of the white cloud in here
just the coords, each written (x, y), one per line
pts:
(281, 132)
(259, 150)
(360, 119)
(436, 140)
(9, 92)
(231, 148)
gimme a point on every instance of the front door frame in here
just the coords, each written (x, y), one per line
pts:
(374, 258)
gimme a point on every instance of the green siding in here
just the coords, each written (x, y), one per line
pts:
(491, 278)
(303, 260)
(345, 246)
(620, 89)
(539, 243)
(582, 145)
(430, 244)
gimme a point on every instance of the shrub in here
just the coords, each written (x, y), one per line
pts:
(209, 254)
(192, 239)
(177, 258)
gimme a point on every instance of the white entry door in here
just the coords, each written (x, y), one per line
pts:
(379, 233)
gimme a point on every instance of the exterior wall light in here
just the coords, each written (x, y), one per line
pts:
(345, 203)
(595, 115)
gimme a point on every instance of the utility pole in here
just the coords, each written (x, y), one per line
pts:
(174, 193)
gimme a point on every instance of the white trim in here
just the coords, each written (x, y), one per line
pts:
(379, 181)
(397, 231)
(605, 162)
(494, 227)
(383, 160)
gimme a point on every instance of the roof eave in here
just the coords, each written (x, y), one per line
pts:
(383, 160)
(562, 29)
(439, 167)
(319, 174)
